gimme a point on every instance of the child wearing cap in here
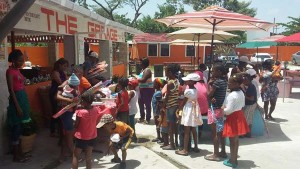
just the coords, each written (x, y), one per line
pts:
(85, 129)
(125, 132)
(157, 85)
(191, 116)
(66, 96)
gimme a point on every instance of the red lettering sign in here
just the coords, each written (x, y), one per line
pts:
(61, 22)
(49, 13)
(91, 28)
(72, 25)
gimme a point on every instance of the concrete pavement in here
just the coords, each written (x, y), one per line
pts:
(280, 150)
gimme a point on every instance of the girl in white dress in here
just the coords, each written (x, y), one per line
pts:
(190, 113)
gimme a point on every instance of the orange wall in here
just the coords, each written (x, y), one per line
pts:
(61, 51)
(95, 48)
(284, 52)
(177, 54)
(36, 55)
(120, 70)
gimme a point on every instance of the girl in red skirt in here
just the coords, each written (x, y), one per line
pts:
(235, 124)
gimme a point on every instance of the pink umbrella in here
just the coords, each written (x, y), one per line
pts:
(217, 18)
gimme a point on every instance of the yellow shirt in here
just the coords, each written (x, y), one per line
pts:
(121, 128)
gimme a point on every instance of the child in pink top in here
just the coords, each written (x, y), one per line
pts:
(85, 130)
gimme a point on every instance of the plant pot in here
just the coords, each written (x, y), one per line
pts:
(27, 142)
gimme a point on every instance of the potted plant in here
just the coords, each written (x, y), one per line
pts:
(28, 135)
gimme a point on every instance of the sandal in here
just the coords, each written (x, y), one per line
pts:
(181, 153)
(229, 164)
(168, 148)
(212, 157)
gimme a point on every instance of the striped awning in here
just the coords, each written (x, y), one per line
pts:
(222, 18)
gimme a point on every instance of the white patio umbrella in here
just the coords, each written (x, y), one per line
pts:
(198, 34)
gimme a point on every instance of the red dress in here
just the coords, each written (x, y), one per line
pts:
(235, 125)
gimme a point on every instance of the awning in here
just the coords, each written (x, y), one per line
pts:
(256, 44)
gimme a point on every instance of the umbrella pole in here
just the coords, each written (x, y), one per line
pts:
(194, 55)
(211, 48)
(198, 51)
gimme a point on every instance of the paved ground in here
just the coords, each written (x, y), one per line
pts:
(281, 149)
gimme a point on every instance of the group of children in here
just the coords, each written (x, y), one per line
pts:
(179, 104)
(81, 135)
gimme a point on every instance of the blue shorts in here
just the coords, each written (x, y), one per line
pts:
(171, 114)
(67, 120)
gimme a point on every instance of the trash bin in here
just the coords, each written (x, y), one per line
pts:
(158, 70)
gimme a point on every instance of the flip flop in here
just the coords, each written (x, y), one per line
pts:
(168, 148)
(180, 153)
(212, 157)
(229, 164)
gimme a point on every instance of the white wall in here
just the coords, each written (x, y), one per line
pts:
(256, 34)
(3, 102)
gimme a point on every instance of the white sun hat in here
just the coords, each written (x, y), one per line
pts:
(193, 76)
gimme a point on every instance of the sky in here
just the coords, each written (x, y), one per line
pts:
(266, 9)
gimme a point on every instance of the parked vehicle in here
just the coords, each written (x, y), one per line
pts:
(230, 59)
(296, 58)
(260, 57)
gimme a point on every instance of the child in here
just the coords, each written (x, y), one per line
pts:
(123, 101)
(125, 132)
(85, 130)
(157, 85)
(171, 102)
(191, 116)
(163, 124)
(133, 99)
(18, 108)
(215, 116)
(235, 124)
(251, 100)
(65, 97)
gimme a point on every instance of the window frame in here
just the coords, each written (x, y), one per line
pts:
(161, 50)
(185, 51)
(148, 44)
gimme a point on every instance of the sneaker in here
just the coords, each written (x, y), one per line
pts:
(116, 160)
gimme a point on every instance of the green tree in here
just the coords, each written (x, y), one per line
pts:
(292, 26)
(108, 9)
(148, 24)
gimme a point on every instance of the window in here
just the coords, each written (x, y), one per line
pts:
(152, 50)
(189, 51)
(164, 50)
